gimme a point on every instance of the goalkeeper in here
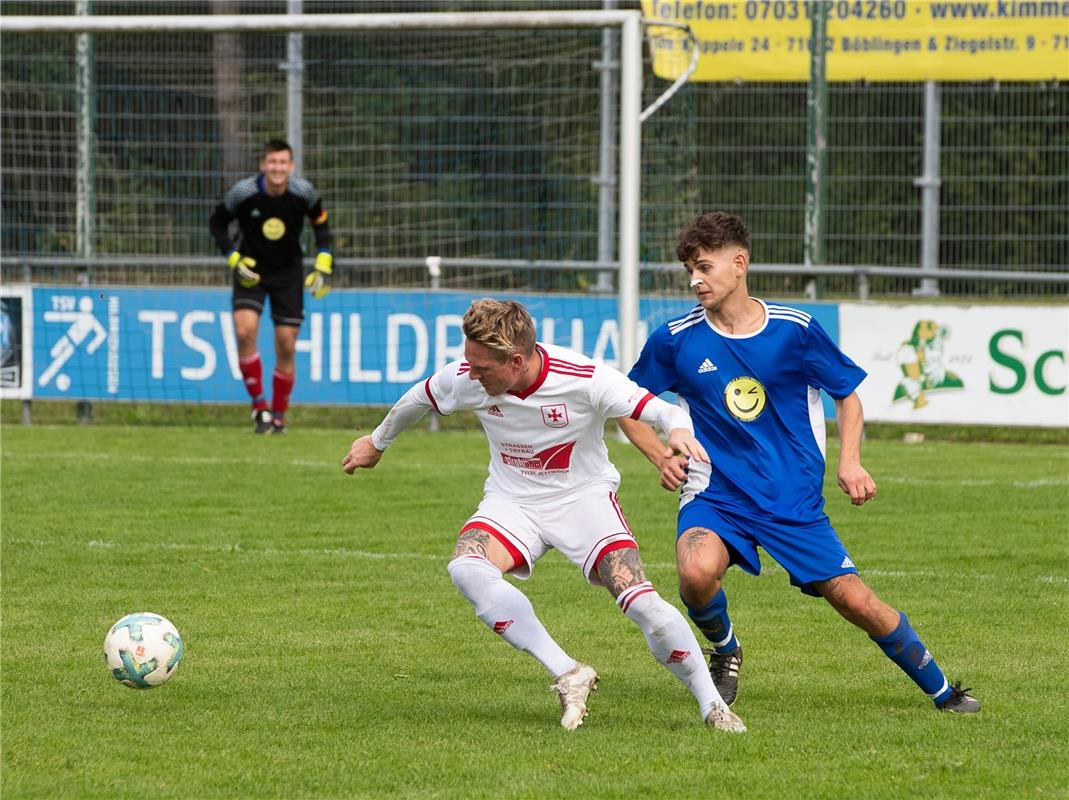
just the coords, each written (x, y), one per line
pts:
(266, 261)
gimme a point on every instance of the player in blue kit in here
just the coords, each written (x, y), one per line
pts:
(750, 374)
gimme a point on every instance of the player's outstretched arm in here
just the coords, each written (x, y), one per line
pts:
(366, 451)
(362, 455)
(671, 466)
(852, 478)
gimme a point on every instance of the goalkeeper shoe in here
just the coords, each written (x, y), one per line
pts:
(724, 669)
(724, 719)
(262, 421)
(573, 688)
(960, 701)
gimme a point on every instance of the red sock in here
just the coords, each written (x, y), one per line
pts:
(282, 385)
(253, 372)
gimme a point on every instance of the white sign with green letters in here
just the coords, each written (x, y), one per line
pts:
(990, 365)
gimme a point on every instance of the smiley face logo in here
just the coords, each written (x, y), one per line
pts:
(274, 229)
(745, 398)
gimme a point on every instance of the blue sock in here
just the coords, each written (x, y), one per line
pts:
(713, 621)
(904, 647)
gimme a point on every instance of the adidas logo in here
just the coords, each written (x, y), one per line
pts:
(707, 366)
(677, 656)
(846, 563)
(254, 213)
(494, 411)
(502, 625)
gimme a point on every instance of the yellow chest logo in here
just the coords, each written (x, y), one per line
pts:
(745, 398)
(274, 229)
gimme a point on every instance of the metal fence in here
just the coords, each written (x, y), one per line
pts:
(486, 148)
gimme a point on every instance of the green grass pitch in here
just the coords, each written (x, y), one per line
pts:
(328, 654)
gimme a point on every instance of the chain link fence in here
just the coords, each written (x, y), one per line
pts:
(483, 147)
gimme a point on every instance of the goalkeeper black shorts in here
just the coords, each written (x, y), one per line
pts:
(286, 291)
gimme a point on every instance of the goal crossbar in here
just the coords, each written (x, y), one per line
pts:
(305, 23)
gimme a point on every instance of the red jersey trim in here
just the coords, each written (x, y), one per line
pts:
(623, 544)
(571, 363)
(641, 405)
(615, 500)
(534, 387)
(557, 371)
(568, 368)
(635, 596)
(517, 556)
(427, 389)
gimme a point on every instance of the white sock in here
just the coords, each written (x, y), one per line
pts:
(671, 641)
(507, 611)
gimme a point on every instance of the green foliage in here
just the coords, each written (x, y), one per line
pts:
(328, 655)
(484, 144)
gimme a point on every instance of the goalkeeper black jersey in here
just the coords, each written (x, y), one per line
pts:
(269, 228)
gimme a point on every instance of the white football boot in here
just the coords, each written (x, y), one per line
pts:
(724, 719)
(572, 689)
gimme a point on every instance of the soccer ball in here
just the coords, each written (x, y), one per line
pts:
(143, 650)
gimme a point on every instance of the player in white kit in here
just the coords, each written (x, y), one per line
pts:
(551, 485)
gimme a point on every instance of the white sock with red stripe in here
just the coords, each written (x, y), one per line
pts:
(671, 641)
(507, 611)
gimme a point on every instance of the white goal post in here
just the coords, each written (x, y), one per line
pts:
(628, 22)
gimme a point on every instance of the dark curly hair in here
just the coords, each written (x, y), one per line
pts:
(712, 231)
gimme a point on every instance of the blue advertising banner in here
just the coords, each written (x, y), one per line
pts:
(356, 347)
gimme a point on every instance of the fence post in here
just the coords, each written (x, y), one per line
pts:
(294, 68)
(434, 270)
(929, 184)
(606, 180)
(816, 150)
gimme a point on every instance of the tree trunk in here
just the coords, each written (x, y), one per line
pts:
(231, 98)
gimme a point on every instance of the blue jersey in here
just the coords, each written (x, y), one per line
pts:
(755, 402)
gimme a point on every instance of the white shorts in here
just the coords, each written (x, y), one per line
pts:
(583, 526)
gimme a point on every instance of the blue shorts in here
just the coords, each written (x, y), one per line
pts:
(809, 552)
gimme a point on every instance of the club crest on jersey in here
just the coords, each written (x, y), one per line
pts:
(745, 398)
(556, 415)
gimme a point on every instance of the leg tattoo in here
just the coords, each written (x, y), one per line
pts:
(472, 542)
(621, 569)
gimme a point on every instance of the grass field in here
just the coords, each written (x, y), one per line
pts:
(328, 654)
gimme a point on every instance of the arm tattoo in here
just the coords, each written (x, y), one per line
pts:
(620, 569)
(472, 542)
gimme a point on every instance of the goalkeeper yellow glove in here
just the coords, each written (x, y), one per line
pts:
(243, 268)
(318, 280)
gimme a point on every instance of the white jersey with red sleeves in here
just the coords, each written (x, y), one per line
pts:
(550, 438)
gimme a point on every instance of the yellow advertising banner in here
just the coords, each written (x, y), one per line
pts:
(874, 40)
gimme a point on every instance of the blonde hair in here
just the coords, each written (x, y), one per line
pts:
(503, 326)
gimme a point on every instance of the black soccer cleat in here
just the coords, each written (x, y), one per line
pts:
(261, 420)
(278, 426)
(960, 701)
(724, 669)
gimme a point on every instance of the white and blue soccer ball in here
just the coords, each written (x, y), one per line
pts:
(143, 650)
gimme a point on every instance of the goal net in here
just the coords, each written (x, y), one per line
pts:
(494, 148)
